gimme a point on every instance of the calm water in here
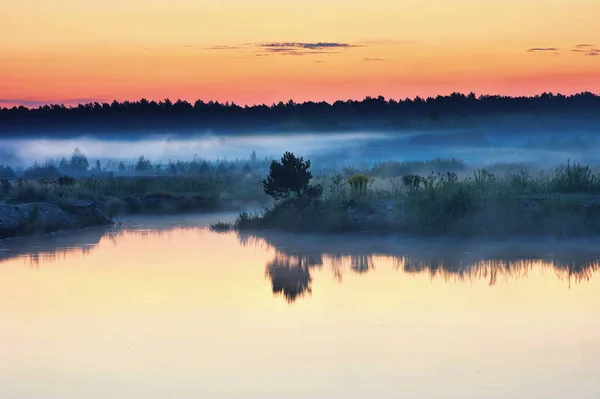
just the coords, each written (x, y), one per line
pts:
(162, 309)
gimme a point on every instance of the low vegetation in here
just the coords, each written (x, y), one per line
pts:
(122, 195)
(564, 202)
(124, 188)
(440, 196)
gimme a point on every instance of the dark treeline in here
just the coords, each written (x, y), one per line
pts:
(370, 113)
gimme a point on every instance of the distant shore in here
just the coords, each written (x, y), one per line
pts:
(42, 218)
(370, 114)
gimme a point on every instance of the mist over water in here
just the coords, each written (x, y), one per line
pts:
(165, 148)
(543, 148)
(189, 312)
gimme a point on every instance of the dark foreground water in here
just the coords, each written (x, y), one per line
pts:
(164, 309)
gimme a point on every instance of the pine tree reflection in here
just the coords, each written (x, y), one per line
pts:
(290, 270)
(290, 275)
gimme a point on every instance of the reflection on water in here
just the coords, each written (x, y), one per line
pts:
(161, 310)
(290, 275)
(296, 256)
(290, 270)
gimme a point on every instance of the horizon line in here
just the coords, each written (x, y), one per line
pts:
(42, 104)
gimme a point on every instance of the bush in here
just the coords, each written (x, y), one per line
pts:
(37, 171)
(520, 181)
(143, 165)
(441, 204)
(574, 178)
(66, 181)
(313, 191)
(412, 183)
(336, 187)
(293, 215)
(78, 162)
(482, 177)
(359, 186)
(220, 227)
(290, 176)
(6, 172)
(246, 220)
(5, 187)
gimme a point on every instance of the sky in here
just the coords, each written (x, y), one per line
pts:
(265, 51)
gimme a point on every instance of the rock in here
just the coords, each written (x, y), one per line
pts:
(36, 218)
(10, 218)
(88, 213)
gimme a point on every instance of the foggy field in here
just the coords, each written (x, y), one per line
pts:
(451, 182)
(537, 142)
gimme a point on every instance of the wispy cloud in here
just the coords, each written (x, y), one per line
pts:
(288, 48)
(301, 48)
(542, 49)
(593, 52)
(222, 48)
(587, 50)
(293, 51)
(373, 59)
(310, 46)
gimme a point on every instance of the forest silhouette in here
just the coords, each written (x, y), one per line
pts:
(369, 113)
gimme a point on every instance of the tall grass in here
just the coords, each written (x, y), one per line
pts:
(360, 186)
(574, 178)
(138, 194)
(441, 203)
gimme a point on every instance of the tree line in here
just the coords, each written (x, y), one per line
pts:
(371, 112)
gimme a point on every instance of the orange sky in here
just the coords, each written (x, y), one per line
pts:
(265, 50)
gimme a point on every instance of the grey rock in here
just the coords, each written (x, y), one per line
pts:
(35, 218)
(88, 212)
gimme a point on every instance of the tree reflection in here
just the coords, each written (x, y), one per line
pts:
(44, 249)
(361, 263)
(290, 275)
(290, 270)
(490, 269)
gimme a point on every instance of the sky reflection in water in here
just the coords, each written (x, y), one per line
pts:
(154, 312)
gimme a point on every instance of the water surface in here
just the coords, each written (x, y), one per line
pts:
(164, 308)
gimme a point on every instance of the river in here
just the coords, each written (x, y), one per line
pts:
(164, 308)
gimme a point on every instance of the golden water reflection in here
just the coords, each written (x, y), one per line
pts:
(159, 312)
(296, 256)
(290, 270)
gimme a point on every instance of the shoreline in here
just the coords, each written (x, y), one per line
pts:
(559, 216)
(17, 220)
(42, 218)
